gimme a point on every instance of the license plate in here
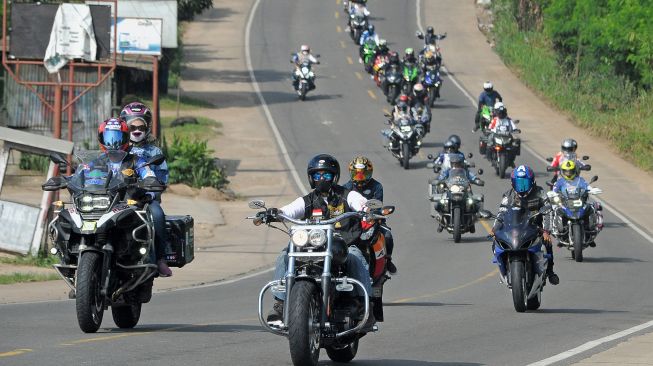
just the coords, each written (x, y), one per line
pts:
(89, 225)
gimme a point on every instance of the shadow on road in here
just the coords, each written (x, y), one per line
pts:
(426, 304)
(613, 260)
(394, 362)
(577, 311)
(193, 328)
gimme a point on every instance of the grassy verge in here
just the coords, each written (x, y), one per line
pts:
(31, 261)
(605, 105)
(27, 277)
(169, 103)
(206, 129)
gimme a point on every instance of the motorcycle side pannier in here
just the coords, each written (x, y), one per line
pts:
(181, 240)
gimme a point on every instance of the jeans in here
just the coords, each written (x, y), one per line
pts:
(357, 268)
(159, 222)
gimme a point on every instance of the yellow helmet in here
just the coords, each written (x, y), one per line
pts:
(360, 170)
(568, 169)
(428, 54)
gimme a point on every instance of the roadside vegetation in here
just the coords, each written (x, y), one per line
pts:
(42, 261)
(591, 58)
(8, 279)
(38, 261)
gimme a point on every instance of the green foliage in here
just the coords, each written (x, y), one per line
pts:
(609, 105)
(205, 129)
(38, 261)
(191, 162)
(187, 9)
(30, 161)
(27, 277)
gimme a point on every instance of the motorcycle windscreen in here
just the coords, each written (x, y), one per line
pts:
(516, 229)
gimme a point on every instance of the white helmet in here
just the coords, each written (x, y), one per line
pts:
(418, 87)
(305, 48)
(498, 105)
(488, 86)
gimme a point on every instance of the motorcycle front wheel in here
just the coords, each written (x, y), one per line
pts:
(405, 152)
(577, 239)
(518, 280)
(456, 224)
(88, 301)
(502, 165)
(304, 324)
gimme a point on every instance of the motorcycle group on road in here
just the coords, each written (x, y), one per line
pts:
(114, 239)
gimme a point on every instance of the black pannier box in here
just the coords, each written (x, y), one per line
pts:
(180, 248)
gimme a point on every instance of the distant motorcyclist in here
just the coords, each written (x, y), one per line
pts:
(571, 178)
(501, 119)
(456, 161)
(409, 57)
(527, 195)
(488, 97)
(429, 61)
(349, 5)
(330, 200)
(139, 120)
(567, 152)
(430, 38)
(298, 59)
(451, 147)
(369, 33)
(382, 48)
(419, 96)
(394, 64)
(360, 171)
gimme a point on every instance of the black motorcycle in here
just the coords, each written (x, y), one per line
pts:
(320, 310)
(392, 82)
(404, 138)
(105, 238)
(503, 148)
(357, 25)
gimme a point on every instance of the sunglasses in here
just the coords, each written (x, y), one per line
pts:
(321, 175)
(138, 128)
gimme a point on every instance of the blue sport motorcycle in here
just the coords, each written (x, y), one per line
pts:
(432, 82)
(518, 252)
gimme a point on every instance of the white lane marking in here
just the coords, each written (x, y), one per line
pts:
(591, 344)
(266, 110)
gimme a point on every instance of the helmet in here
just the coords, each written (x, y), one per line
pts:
(360, 170)
(568, 169)
(500, 110)
(569, 145)
(456, 161)
(409, 52)
(323, 163)
(113, 135)
(418, 88)
(305, 49)
(456, 141)
(370, 28)
(429, 30)
(487, 86)
(394, 57)
(428, 55)
(383, 43)
(449, 146)
(402, 105)
(498, 105)
(403, 98)
(523, 180)
(136, 110)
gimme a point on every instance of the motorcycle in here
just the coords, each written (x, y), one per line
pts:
(434, 47)
(517, 247)
(304, 79)
(392, 84)
(432, 82)
(357, 25)
(404, 138)
(574, 218)
(453, 204)
(378, 68)
(368, 49)
(319, 311)
(410, 74)
(485, 120)
(503, 149)
(423, 113)
(105, 238)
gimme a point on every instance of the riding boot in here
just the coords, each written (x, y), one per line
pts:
(276, 314)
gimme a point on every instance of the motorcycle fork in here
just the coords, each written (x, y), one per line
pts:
(326, 281)
(290, 281)
(107, 250)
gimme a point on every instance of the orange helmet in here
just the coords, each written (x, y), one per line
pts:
(113, 134)
(360, 170)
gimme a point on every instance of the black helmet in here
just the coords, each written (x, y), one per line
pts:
(456, 161)
(370, 28)
(449, 146)
(429, 30)
(569, 145)
(394, 57)
(502, 112)
(327, 163)
(456, 141)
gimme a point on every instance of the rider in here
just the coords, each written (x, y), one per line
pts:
(139, 120)
(567, 152)
(488, 97)
(369, 34)
(526, 194)
(456, 161)
(381, 48)
(360, 171)
(501, 118)
(409, 57)
(331, 200)
(393, 63)
(297, 59)
(569, 172)
(420, 99)
(450, 147)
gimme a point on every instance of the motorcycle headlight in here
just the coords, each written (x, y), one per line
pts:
(88, 203)
(305, 70)
(299, 238)
(456, 188)
(405, 128)
(317, 237)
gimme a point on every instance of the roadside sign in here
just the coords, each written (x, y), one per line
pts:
(139, 36)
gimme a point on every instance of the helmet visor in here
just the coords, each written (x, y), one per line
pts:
(569, 173)
(322, 175)
(360, 175)
(522, 184)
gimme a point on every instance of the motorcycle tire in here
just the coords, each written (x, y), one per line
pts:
(456, 216)
(392, 94)
(357, 36)
(303, 324)
(577, 239)
(432, 97)
(126, 317)
(503, 165)
(405, 155)
(344, 354)
(519, 287)
(88, 300)
(303, 91)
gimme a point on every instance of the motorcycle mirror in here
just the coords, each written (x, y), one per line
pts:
(470, 155)
(58, 159)
(55, 184)
(387, 210)
(549, 159)
(486, 214)
(550, 184)
(586, 167)
(255, 204)
(373, 204)
(430, 156)
(480, 172)
(156, 160)
(516, 130)
(551, 169)
(386, 114)
(419, 35)
(585, 157)
(594, 179)
(430, 165)
(515, 121)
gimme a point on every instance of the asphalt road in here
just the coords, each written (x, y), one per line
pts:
(446, 306)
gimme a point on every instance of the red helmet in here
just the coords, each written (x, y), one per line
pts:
(136, 110)
(403, 98)
(113, 134)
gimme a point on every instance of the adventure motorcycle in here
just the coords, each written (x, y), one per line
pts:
(517, 247)
(503, 149)
(574, 218)
(320, 310)
(404, 138)
(304, 79)
(105, 238)
(357, 25)
(453, 204)
(485, 120)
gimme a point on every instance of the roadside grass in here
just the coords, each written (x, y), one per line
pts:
(16, 277)
(206, 129)
(605, 105)
(168, 102)
(31, 261)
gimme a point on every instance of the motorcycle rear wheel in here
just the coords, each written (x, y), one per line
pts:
(456, 224)
(88, 301)
(304, 324)
(126, 317)
(518, 280)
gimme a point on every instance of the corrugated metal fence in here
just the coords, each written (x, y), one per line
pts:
(25, 110)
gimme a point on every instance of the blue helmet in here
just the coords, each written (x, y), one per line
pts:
(523, 180)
